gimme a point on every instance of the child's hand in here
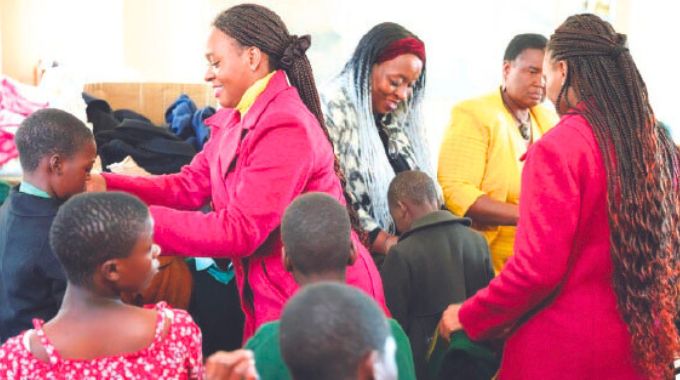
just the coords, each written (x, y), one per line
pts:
(450, 321)
(232, 365)
(96, 183)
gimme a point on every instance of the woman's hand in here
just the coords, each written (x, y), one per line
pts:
(450, 321)
(384, 242)
(96, 183)
(390, 242)
(232, 365)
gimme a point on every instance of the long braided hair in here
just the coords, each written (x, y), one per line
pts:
(355, 81)
(643, 171)
(258, 26)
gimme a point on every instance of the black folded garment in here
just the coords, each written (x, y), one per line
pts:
(155, 149)
(123, 114)
(99, 113)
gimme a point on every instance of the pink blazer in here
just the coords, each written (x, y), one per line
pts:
(251, 169)
(563, 215)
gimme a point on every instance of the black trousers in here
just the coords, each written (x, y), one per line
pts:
(216, 309)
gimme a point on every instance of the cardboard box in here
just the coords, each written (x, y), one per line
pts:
(150, 99)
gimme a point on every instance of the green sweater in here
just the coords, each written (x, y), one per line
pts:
(270, 365)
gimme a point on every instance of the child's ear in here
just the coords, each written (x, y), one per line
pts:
(367, 367)
(436, 204)
(109, 270)
(56, 164)
(403, 208)
(353, 255)
(286, 261)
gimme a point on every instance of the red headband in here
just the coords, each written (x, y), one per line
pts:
(409, 45)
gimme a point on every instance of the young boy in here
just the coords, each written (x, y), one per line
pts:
(56, 151)
(438, 261)
(333, 331)
(317, 247)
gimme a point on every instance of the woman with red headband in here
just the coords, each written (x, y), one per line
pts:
(372, 111)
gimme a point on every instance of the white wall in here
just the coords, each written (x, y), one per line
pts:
(47, 30)
(654, 40)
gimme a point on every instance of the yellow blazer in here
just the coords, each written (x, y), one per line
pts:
(480, 155)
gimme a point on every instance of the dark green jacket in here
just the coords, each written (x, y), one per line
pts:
(439, 261)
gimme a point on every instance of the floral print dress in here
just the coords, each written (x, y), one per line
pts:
(175, 355)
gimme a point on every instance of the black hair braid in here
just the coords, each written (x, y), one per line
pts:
(643, 195)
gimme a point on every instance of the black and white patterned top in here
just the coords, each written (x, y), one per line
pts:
(362, 181)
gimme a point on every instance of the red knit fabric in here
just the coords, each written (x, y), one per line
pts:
(409, 45)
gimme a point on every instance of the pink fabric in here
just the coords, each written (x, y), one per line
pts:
(174, 355)
(8, 149)
(284, 153)
(14, 108)
(563, 213)
(12, 100)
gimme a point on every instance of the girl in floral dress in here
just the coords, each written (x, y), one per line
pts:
(104, 241)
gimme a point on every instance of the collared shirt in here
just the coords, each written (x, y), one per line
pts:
(208, 264)
(29, 189)
(251, 94)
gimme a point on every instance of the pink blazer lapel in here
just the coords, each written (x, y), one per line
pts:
(229, 144)
(226, 128)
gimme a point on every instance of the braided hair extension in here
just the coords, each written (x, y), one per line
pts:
(258, 26)
(355, 79)
(643, 170)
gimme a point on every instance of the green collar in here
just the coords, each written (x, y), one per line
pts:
(27, 188)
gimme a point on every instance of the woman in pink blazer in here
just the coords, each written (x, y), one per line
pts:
(268, 145)
(592, 290)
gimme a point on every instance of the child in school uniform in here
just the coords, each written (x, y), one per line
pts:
(56, 151)
(438, 261)
(312, 260)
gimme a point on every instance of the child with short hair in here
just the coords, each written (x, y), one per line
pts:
(317, 247)
(438, 261)
(57, 152)
(105, 243)
(332, 331)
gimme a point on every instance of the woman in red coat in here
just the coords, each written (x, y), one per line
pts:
(592, 290)
(268, 145)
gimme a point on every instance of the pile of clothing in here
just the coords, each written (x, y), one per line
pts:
(17, 102)
(59, 88)
(126, 135)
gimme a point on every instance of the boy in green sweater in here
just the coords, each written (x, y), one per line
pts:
(316, 237)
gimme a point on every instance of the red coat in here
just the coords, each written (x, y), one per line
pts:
(563, 213)
(250, 181)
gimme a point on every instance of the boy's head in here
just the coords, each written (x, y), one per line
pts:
(333, 331)
(105, 240)
(316, 238)
(56, 151)
(412, 194)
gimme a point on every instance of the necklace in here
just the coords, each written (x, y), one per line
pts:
(524, 126)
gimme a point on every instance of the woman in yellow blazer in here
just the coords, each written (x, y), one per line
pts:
(480, 162)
